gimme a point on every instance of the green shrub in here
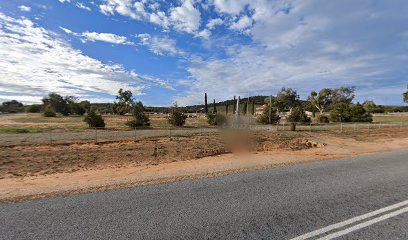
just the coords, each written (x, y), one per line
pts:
(94, 120)
(216, 119)
(297, 115)
(264, 117)
(176, 117)
(49, 112)
(359, 114)
(340, 112)
(140, 119)
(35, 108)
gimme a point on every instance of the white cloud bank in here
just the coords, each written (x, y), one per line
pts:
(309, 45)
(24, 8)
(34, 61)
(103, 37)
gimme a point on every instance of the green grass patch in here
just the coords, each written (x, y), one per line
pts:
(14, 129)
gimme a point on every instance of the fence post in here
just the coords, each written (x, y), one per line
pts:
(170, 132)
(51, 137)
(341, 127)
(96, 135)
(310, 127)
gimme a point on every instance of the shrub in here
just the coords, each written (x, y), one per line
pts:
(176, 117)
(140, 119)
(323, 119)
(216, 119)
(297, 115)
(359, 114)
(94, 120)
(264, 117)
(35, 108)
(49, 112)
(340, 113)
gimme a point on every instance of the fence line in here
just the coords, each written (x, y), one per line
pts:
(54, 136)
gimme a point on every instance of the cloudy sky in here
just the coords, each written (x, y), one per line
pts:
(166, 51)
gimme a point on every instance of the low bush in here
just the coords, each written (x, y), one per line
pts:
(216, 119)
(94, 120)
(176, 116)
(49, 112)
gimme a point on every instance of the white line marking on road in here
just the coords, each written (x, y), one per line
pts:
(365, 224)
(350, 221)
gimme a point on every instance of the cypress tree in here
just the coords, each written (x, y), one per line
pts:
(205, 103)
(253, 107)
(233, 105)
(215, 108)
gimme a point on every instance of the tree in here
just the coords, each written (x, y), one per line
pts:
(405, 96)
(244, 108)
(322, 100)
(234, 105)
(359, 114)
(343, 95)
(49, 112)
(253, 107)
(205, 103)
(216, 119)
(125, 102)
(226, 108)
(140, 119)
(286, 99)
(340, 112)
(297, 115)
(58, 103)
(268, 116)
(94, 120)
(12, 106)
(176, 116)
(214, 107)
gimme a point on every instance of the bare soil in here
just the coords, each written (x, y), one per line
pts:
(37, 171)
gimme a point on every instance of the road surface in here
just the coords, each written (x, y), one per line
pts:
(355, 198)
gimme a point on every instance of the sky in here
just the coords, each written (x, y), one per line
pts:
(175, 51)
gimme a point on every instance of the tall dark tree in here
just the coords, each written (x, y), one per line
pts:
(214, 107)
(226, 108)
(205, 103)
(140, 119)
(244, 108)
(234, 105)
(405, 97)
(253, 107)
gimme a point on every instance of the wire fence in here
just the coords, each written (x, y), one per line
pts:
(63, 136)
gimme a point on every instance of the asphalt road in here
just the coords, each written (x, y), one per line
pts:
(281, 203)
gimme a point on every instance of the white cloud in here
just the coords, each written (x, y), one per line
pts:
(104, 37)
(233, 7)
(33, 62)
(24, 8)
(186, 17)
(160, 45)
(64, 1)
(204, 34)
(183, 18)
(214, 22)
(83, 6)
(243, 23)
(297, 45)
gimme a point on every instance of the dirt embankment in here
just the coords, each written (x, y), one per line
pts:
(35, 160)
(50, 170)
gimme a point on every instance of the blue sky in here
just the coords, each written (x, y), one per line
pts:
(167, 51)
